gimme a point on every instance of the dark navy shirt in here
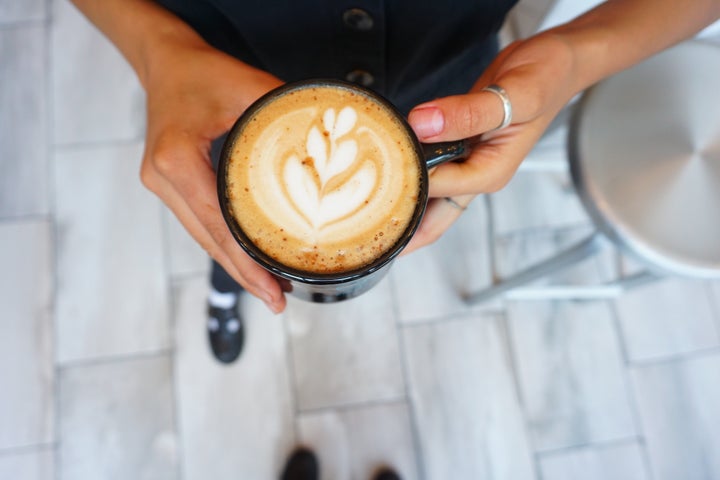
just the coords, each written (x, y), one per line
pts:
(408, 51)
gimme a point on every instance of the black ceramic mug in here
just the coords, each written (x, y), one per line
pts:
(321, 286)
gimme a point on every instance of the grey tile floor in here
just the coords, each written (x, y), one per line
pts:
(105, 372)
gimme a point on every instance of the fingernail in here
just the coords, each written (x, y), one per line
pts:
(273, 308)
(267, 298)
(427, 122)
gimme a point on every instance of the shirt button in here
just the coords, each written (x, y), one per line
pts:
(361, 77)
(358, 19)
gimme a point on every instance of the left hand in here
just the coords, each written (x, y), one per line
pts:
(539, 79)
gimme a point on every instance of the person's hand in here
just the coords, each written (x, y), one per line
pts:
(195, 94)
(539, 78)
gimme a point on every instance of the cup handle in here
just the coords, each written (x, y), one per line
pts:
(437, 153)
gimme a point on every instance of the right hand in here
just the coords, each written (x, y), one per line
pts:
(194, 95)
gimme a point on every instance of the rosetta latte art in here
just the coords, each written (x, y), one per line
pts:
(309, 181)
(323, 179)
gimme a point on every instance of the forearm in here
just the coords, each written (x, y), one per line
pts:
(139, 29)
(620, 33)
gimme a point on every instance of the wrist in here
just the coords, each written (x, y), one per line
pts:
(161, 50)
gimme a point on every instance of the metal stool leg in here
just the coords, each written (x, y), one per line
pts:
(565, 259)
(603, 291)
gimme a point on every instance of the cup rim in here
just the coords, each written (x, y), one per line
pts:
(278, 268)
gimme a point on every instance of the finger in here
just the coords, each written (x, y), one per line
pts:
(187, 186)
(439, 216)
(248, 274)
(464, 116)
(492, 163)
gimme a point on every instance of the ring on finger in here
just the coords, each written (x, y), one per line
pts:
(507, 106)
(455, 204)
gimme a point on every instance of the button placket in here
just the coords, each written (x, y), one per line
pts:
(360, 43)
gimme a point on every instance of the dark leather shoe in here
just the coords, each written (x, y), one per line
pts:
(386, 474)
(302, 465)
(226, 332)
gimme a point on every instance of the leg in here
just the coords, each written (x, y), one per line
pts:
(226, 329)
(221, 281)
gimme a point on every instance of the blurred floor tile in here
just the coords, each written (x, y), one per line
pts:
(185, 255)
(95, 92)
(429, 283)
(117, 421)
(715, 288)
(27, 413)
(668, 317)
(536, 200)
(469, 422)
(23, 123)
(35, 464)
(112, 295)
(354, 443)
(622, 461)
(236, 421)
(25, 11)
(679, 404)
(345, 352)
(569, 365)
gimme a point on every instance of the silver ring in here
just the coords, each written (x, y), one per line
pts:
(454, 203)
(507, 106)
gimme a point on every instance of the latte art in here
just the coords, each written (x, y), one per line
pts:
(329, 156)
(323, 179)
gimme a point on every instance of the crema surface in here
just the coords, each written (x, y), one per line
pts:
(323, 179)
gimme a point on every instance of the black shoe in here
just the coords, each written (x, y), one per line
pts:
(386, 474)
(226, 332)
(302, 465)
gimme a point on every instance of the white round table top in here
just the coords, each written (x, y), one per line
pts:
(645, 158)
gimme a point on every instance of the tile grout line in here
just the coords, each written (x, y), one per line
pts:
(350, 406)
(171, 323)
(29, 218)
(54, 234)
(714, 306)
(116, 358)
(675, 358)
(24, 23)
(511, 354)
(465, 315)
(615, 442)
(404, 371)
(491, 237)
(29, 448)
(64, 147)
(291, 376)
(630, 390)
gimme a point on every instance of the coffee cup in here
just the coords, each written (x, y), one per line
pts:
(323, 183)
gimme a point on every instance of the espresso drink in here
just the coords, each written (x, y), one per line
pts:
(323, 179)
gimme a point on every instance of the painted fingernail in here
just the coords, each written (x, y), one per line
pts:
(427, 122)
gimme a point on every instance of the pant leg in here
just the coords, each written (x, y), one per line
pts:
(220, 280)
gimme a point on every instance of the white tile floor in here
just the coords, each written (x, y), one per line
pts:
(105, 372)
